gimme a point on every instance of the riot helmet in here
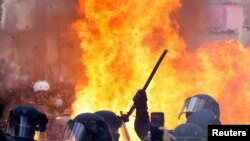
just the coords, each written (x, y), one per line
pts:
(203, 118)
(189, 132)
(199, 102)
(26, 122)
(114, 122)
(87, 127)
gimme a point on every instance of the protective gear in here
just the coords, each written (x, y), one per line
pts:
(199, 102)
(140, 100)
(142, 123)
(87, 127)
(203, 118)
(114, 122)
(189, 132)
(24, 121)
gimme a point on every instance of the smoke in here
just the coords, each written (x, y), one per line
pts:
(194, 19)
(37, 44)
(4, 5)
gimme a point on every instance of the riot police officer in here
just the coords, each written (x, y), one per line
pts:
(191, 105)
(87, 127)
(114, 122)
(25, 122)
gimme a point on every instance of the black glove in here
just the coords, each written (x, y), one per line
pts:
(142, 123)
(140, 100)
(42, 121)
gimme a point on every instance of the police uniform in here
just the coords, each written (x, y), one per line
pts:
(189, 132)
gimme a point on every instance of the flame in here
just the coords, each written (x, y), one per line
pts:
(121, 42)
(226, 69)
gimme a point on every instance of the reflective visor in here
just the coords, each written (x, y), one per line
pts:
(21, 127)
(192, 105)
(75, 131)
(196, 104)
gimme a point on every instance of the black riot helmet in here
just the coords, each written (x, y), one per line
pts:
(189, 132)
(25, 121)
(199, 102)
(87, 127)
(114, 122)
(203, 118)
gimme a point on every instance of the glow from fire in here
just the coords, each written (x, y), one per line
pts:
(121, 42)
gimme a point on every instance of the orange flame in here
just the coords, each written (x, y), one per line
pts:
(121, 42)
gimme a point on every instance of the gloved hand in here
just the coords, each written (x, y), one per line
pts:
(140, 100)
(42, 121)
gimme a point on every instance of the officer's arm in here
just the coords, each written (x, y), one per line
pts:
(142, 124)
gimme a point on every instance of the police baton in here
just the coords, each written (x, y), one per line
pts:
(125, 117)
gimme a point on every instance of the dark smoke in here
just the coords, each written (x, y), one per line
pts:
(194, 20)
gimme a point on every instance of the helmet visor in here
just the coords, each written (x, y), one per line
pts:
(21, 127)
(192, 105)
(75, 131)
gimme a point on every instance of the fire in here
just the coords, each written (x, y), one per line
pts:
(227, 66)
(121, 42)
